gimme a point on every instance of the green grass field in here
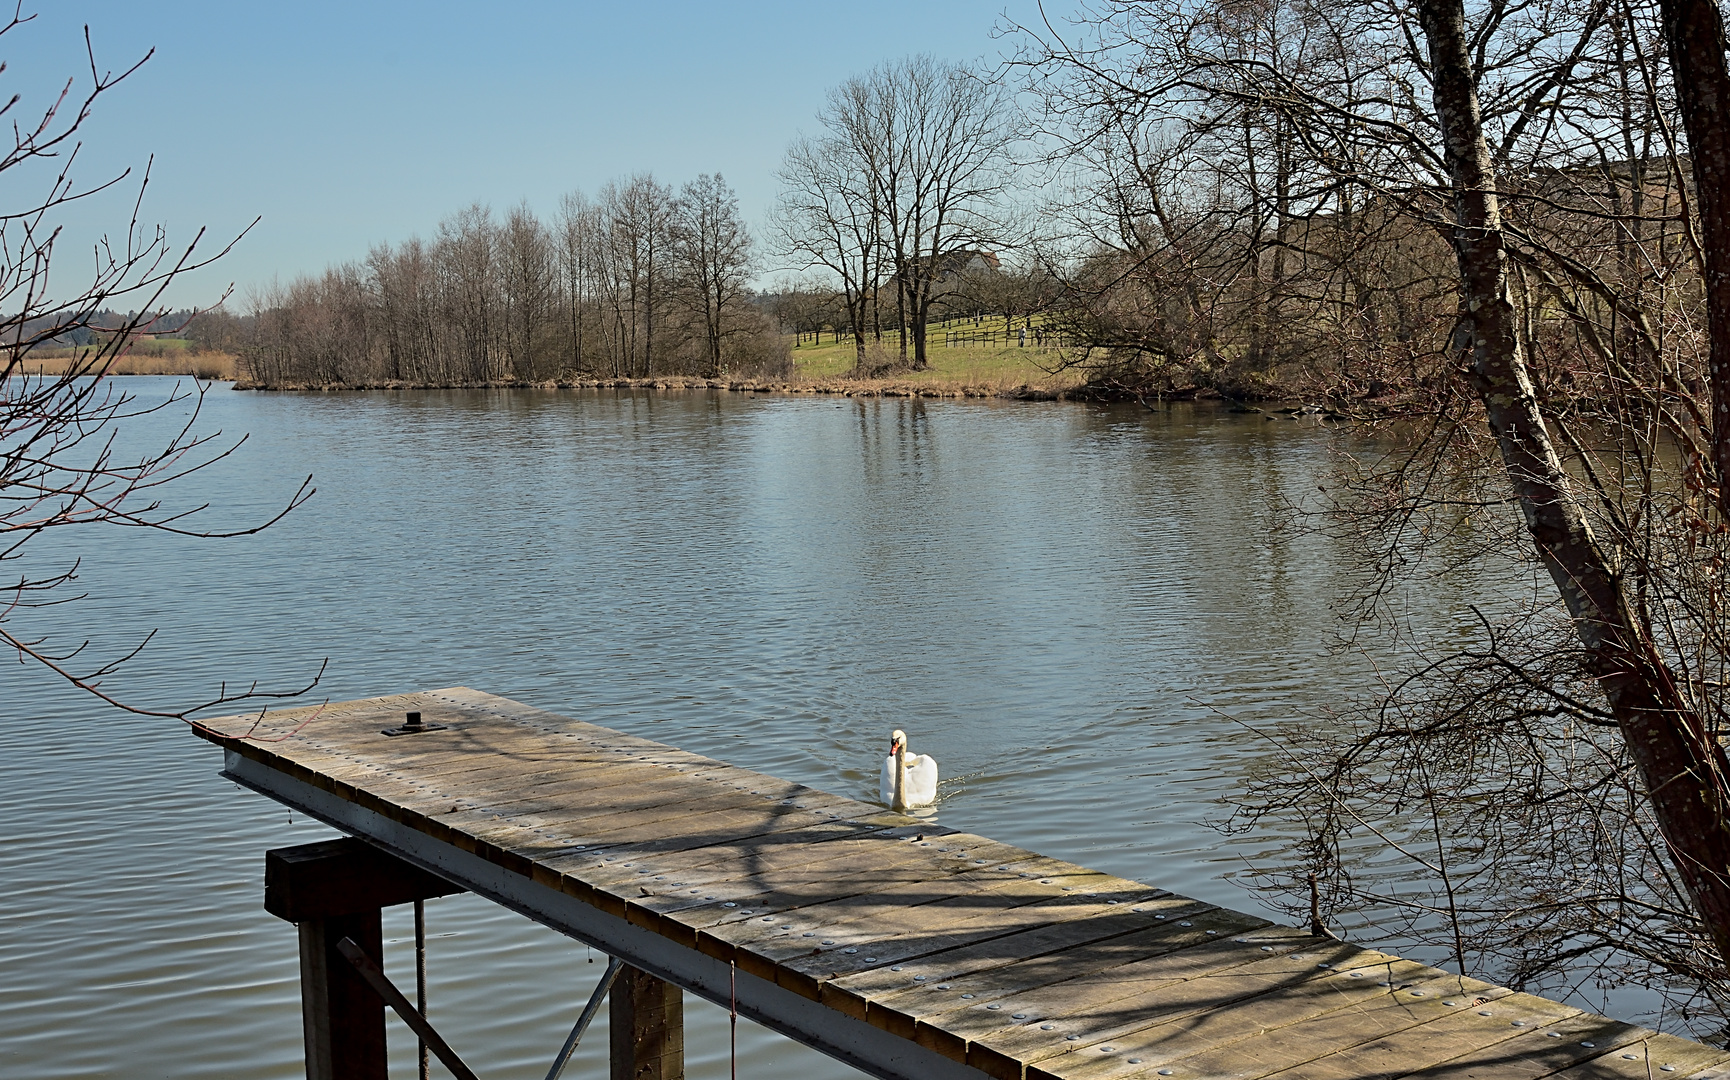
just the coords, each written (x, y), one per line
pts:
(977, 365)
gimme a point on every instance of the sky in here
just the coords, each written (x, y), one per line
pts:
(346, 125)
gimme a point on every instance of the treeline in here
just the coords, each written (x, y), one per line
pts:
(639, 281)
(1182, 205)
(79, 329)
(1217, 197)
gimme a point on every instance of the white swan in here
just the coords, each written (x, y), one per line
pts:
(909, 780)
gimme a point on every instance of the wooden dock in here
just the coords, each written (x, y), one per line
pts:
(908, 951)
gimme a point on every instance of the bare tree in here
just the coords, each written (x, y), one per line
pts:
(526, 260)
(638, 218)
(1694, 32)
(1676, 747)
(1564, 429)
(467, 258)
(404, 289)
(712, 250)
(577, 226)
(931, 143)
(826, 221)
(60, 466)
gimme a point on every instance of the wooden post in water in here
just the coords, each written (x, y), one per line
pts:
(343, 1018)
(646, 1018)
(333, 890)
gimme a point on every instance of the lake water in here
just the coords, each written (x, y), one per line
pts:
(1072, 607)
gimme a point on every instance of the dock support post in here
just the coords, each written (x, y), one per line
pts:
(342, 1016)
(646, 1018)
(333, 890)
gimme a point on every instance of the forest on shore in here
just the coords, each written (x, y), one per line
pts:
(642, 280)
(1150, 196)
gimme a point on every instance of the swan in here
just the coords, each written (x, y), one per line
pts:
(909, 780)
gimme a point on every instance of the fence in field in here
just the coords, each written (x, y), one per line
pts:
(961, 336)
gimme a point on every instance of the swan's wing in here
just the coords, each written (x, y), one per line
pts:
(922, 780)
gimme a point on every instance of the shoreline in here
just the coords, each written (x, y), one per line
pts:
(851, 388)
(838, 387)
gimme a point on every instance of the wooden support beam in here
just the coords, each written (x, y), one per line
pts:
(342, 877)
(342, 1016)
(334, 890)
(647, 1021)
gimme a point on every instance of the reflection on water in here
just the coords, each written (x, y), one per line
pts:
(1060, 602)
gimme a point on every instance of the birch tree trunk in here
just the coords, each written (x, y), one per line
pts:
(1682, 764)
(1694, 32)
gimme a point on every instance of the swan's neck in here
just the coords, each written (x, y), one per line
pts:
(900, 800)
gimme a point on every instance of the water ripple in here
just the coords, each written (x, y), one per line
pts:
(1052, 599)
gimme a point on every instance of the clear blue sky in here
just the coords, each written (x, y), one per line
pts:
(347, 124)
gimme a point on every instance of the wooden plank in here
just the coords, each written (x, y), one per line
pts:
(942, 1022)
(587, 874)
(850, 914)
(629, 821)
(944, 1017)
(1317, 1013)
(764, 861)
(669, 850)
(732, 938)
(1030, 1021)
(352, 733)
(963, 967)
(1467, 1026)
(683, 917)
(538, 762)
(917, 908)
(749, 857)
(605, 860)
(752, 840)
(826, 878)
(569, 804)
(478, 799)
(813, 975)
(400, 752)
(772, 886)
(1145, 997)
(1007, 911)
(656, 826)
(1647, 1059)
(458, 756)
(757, 845)
(1524, 1038)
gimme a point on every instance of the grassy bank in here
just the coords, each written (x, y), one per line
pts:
(975, 372)
(979, 367)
